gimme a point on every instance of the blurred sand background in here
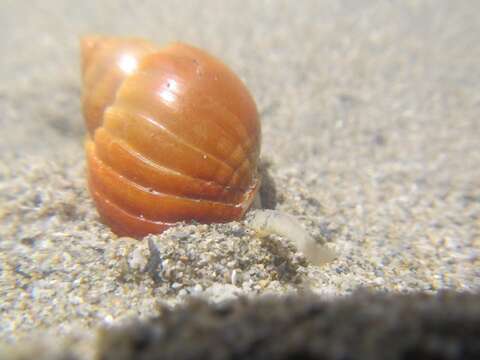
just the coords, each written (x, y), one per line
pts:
(371, 125)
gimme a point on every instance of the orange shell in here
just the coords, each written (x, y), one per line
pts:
(174, 135)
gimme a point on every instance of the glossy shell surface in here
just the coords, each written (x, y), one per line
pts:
(174, 135)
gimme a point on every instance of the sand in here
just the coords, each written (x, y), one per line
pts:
(370, 119)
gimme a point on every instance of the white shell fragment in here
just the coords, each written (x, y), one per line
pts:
(266, 222)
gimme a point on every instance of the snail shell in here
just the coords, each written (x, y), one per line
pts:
(174, 135)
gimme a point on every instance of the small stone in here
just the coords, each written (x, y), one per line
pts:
(179, 235)
(235, 277)
(197, 289)
(264, 283)
(176, 285)
(138, 259)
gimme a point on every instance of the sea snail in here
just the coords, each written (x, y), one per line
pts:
(173, 135)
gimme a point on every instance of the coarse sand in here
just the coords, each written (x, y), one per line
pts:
(370, 117)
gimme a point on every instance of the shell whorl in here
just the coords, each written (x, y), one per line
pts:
(173, 135)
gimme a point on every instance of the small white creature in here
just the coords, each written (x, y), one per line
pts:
(266, 222)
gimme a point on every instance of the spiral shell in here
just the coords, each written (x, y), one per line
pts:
(174, 135)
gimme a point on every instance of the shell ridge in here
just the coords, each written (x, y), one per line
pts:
(155, 192)
(159, 168)
(235, 137)
(241, 132)
(120, 227)
(244, 134)
(248, 158)
(235, 116)
(235, 173)
(179, 140)
(232, 134)
(191, 53)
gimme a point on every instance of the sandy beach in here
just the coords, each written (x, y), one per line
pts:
(370, 135)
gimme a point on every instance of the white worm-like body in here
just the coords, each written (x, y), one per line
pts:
(266, 222)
